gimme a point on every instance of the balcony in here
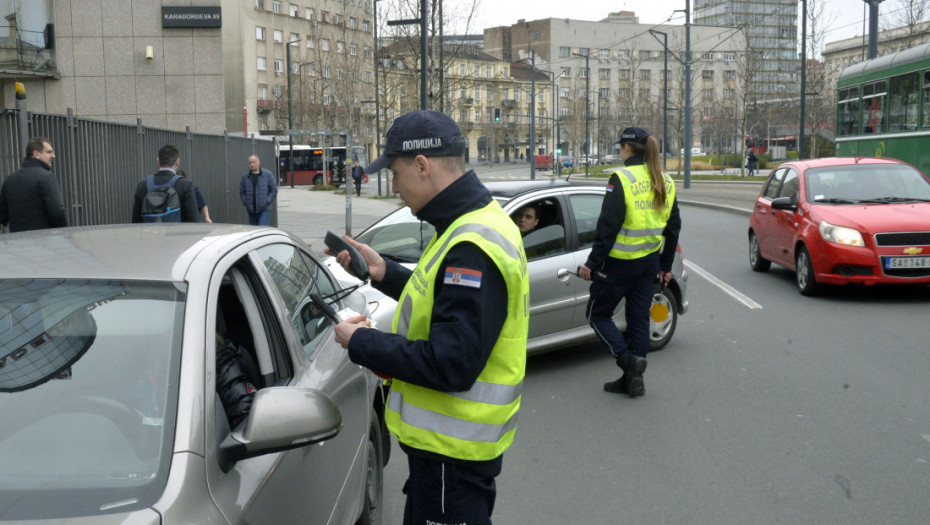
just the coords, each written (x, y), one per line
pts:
(509, 103)
(265, 105)
(468, 101)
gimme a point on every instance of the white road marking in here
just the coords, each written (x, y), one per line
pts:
(732, 292)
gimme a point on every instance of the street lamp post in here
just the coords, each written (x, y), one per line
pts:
(803, 75)
(377, 95)
(587, 106)
(290, 113)
(532, 152)
(665, 95)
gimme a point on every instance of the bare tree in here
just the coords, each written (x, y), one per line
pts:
(910, 15)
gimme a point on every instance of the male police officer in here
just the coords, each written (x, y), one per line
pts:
(458, 348)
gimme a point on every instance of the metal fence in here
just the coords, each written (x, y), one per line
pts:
(98, 164)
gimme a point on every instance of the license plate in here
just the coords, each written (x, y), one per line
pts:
(893, 263)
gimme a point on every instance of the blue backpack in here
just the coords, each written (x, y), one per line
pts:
(162, 202)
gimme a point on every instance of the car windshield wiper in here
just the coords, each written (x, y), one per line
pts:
(836, 201)
(886, 200)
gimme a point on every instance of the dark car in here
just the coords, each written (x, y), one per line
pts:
(841, 221)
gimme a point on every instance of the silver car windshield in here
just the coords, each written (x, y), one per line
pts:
(88, 391)
(399, 236)
(866, 184)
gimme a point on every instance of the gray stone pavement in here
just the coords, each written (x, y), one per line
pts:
(309, 214)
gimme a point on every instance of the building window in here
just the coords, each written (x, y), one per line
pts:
(584, 51)
(294, 8)
(727, 93)
(603, 54)
(278, 36)
(729, 57)
(477, 94)
(565, 92)
(353, 22)
(353, 50)
(535, 35)
(565, 52)
(644, 93)
(566, 72)
(490, 93)
(583, 72)
(603, 74)
(624, 74)
(324, 44)
(645, 55)
(564, 112)
(477, 71)
(259, 33)
(707, 94)
(707, 74)
(645, 74)
(326, 72)
(310, 44)
(340, 47)
(262, 92)
(324, 16)
(624, 93)
(604, 93)
(707, 57)
(729, 74)
(260, 4)
(295, 68)
(294, 37)
(366, 51)
(276, 6)
(623, 54)
(365, 26)
(262, 64)
(278, 66)
(462, 69)
(340, 73)
(487, 71)
(308, 13)
(368, 76)
(311, 69)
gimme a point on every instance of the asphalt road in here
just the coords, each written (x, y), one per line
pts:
(767, 407)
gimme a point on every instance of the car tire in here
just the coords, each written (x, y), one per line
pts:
(373, 496)
(756, 261)
(660, 333)
(318, 180)
(807, 282)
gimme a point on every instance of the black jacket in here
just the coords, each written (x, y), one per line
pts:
(185, 189)
(232, 384)
(30, 199)
(613, 212)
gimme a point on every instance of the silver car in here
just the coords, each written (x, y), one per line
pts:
(108, 381)
(561, 242)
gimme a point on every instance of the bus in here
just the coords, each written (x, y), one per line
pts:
(883, 108)
(308, 165)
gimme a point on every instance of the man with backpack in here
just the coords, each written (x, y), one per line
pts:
(166, 196)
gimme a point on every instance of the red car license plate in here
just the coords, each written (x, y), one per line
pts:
(892, 263)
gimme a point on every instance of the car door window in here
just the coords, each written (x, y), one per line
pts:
(586, 210)
(771, 186)
(548, 237)
(296, 276)
(790, 186)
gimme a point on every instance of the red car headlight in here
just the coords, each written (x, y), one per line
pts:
(841, 234)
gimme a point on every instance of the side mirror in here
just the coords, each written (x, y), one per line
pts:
(784, 203)
(282, 418)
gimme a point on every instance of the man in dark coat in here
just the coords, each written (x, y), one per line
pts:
(257, 190)
(30, 198)
(169, 160)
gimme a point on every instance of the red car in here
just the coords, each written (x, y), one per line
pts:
(843, 221)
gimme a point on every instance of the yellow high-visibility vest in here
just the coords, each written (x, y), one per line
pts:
(641, 232)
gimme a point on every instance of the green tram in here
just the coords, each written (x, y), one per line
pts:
(883, 108)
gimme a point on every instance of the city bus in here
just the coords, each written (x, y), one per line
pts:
(883, 108)
(308, 165)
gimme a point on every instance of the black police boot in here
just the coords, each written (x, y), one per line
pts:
(633, 366)
(617, 387)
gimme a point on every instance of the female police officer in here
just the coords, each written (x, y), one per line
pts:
(638, 211)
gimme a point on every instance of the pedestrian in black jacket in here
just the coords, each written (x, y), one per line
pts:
(30, 198)
(169, 160)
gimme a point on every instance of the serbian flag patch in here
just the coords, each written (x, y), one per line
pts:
(463, 277)
(610, 188)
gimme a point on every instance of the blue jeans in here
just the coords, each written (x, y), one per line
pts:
(635, 284)
(259, 219)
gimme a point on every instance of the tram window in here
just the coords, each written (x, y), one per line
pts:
(926, 120)
(848, 111)
(873, 107)
(903, 102)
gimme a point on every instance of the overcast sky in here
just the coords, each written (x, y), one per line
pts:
(845, 16)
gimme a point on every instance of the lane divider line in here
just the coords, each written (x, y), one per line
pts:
(729, 290)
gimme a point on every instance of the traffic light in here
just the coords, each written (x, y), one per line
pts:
(497, 114)
(558, 151)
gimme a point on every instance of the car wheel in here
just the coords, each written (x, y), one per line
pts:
(756, 260)
(663, 318)
(807, 283)
(374, 476)
(318, 180)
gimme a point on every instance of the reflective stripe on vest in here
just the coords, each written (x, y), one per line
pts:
(477, 424)
(641, 232)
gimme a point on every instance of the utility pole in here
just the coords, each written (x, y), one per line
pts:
(665, 98)
(290, 113)
(532, 148)
(377, 96)
(687, 94)
(587, 107)
(424, 56)
(873, 27)
(803, 76)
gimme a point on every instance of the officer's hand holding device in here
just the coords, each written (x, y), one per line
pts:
(357, 264)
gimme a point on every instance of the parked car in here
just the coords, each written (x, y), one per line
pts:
(568, 214)
(568, 161)
(543, 162)
(610, 159)
(108, 381)
(843, 221)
